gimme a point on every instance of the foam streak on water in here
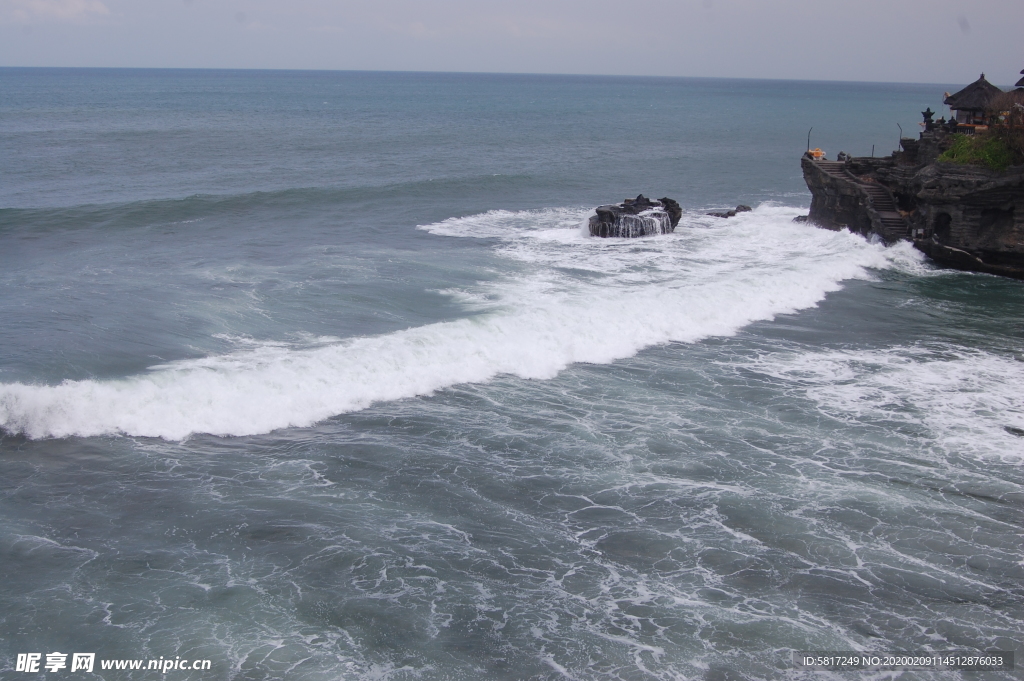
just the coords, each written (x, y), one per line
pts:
(966, 402)
(709, 278)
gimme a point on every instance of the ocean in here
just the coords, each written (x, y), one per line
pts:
(319, 376)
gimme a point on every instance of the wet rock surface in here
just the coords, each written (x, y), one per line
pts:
(636, 218)
(730, 213)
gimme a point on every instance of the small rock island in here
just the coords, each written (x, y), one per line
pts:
(636, 217)
(956, 192)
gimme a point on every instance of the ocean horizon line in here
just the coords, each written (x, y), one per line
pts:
(596, 76)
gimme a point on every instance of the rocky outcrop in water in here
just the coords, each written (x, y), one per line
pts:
(731, 213)
(636, 217)
(962, 216)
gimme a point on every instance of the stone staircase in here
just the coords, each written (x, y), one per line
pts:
(885, 216)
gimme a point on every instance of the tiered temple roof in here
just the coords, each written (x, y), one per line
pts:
(974, 97)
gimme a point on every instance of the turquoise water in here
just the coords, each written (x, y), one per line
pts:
(318, 376)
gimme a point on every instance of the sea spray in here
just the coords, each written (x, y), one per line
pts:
(542, 320)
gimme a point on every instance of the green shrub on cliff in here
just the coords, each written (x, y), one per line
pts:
(986, 150)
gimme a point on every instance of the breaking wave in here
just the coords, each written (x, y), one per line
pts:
(571, 299)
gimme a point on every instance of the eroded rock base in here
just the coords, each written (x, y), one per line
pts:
(636, 218)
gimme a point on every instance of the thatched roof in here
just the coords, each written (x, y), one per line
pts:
(974, 97)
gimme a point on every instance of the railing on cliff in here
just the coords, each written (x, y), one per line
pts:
(970, 129)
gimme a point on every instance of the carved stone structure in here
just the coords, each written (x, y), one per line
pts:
(963, 216)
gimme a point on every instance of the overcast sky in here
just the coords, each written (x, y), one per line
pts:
(932, 41)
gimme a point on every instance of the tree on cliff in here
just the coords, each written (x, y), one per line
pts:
(1007, 111)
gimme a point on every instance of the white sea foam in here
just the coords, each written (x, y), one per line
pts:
(948, 399)
(573, 299)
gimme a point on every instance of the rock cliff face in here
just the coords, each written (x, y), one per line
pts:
(636, 217)
(962, 216)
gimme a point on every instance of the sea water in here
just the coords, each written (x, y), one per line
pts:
(320, 376)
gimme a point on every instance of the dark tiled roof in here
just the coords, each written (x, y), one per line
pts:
(974, 97)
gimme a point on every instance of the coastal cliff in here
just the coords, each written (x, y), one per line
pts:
(962, 216)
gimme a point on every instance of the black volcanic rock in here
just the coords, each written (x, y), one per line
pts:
(673, 210)
(731, 213)
(636, 217)
(962, 216)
